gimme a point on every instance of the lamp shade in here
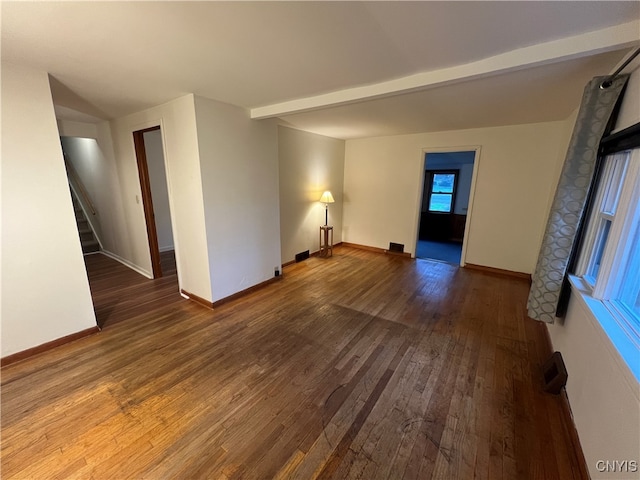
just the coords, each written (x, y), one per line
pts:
(327, 197)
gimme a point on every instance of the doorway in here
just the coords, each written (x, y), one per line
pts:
(155, 199)
(445, 205)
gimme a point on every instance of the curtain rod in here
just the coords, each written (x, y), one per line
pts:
(609, 81)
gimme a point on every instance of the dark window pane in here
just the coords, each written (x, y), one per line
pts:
(601, 242)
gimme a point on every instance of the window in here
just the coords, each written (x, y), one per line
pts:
(604, 212)
(629, 297)
(442, 190)
(609, 263)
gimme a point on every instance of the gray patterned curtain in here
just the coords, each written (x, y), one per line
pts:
(571, 195)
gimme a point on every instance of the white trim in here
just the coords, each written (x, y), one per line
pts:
(548, 53)
(586, 254)
(612, 254)
(472, 194)
(127, 263)
(629, 207)
(172, 209)
(615, 338)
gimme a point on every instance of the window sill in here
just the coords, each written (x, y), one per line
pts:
(621, 342)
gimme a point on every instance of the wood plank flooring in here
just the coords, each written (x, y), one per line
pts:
(120, 293)
(357, 366)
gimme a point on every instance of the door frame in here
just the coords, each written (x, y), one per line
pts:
(147, 202)
(422, 166)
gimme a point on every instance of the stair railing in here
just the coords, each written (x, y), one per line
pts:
(73, 174)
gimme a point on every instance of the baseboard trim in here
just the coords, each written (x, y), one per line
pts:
(364, 247)
(30, 352)
(127, 263)
(222, 301)
(566, 409)
(246, 291)
(197, 299)
(398, 254)
(377, 250)
(573, 434)
(499, 271)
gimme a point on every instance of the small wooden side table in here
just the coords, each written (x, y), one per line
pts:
(326, 240)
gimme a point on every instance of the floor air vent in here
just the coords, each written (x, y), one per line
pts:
(396, 247)
(302, 256)
(555, 374)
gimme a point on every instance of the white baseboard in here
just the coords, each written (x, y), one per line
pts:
(127, 263)
(166, 249)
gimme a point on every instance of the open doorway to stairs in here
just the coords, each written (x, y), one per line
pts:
(446, 205)
(155, 199)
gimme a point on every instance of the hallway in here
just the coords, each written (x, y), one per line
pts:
(120, 293)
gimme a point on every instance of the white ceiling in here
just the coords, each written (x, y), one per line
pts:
(343, 69)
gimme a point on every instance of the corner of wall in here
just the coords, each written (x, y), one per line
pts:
(308, 165)
(37, 307)
(238, 163)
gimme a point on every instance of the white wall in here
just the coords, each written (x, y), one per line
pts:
(68, 128)
(382, 190)
(159, 190)
(309, 165)
(178, 123)
(239, 169)
(630, 109)
(39, 234)
(602, 391)
(464, 189)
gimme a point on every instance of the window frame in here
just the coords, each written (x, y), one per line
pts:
(610, 288)
(432, 173)
(602, 294)
(597, 215)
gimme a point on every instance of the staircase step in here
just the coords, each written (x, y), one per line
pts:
(90, 247)
(87, 237)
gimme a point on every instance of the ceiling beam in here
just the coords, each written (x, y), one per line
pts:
(604, 40)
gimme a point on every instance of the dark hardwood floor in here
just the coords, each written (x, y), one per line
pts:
(358, 366)
(120, 293)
